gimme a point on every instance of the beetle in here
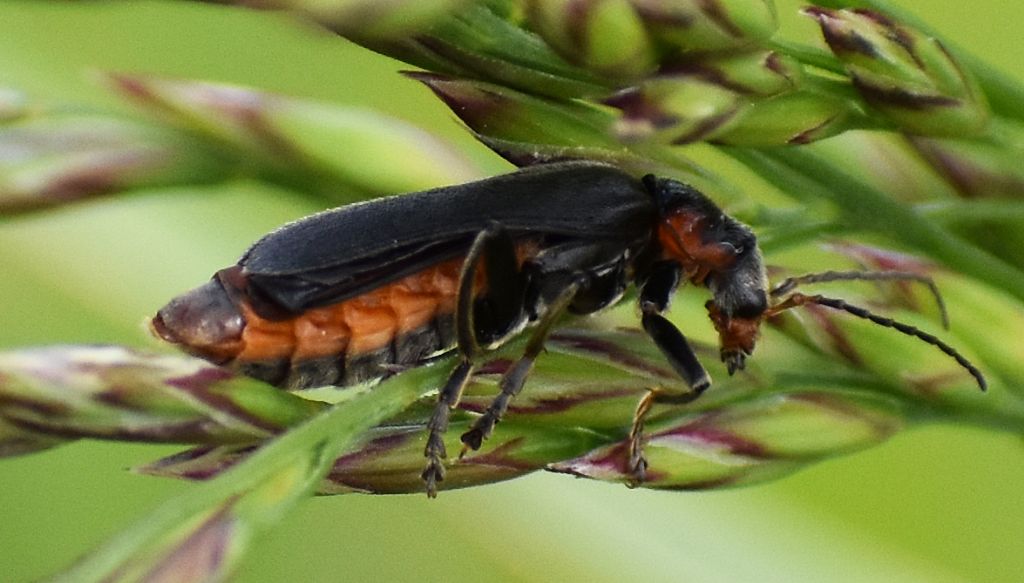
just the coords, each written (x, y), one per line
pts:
(343, 296)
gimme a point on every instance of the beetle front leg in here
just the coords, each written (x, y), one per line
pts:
(654, 299)
(435, 450)
(495, 247)
(677, 351)
(680, 355)
(637, 464)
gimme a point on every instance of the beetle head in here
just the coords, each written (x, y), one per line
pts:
(719, 252)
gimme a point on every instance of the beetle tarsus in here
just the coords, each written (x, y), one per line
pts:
(447, 399)
(636, 463)
(472, 440)
(432, 475)
(495, 248)
(515, 377)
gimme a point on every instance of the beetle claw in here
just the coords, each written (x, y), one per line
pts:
(432, 475)
(473, 439)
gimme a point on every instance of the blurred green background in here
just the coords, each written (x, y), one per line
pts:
(933, 504)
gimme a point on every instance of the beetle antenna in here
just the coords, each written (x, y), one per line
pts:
(789, 284)
(798, 299)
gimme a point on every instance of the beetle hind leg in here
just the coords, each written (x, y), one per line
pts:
(495, 248)
(435, 450)
(515, 377)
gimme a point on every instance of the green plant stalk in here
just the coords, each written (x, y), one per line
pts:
(331, 434)
(956, 212)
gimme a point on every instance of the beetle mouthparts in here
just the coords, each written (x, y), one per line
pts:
(734, 360)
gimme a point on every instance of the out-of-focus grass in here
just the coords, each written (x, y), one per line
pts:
(93, 272)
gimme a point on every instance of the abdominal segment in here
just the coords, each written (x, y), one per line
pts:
(401, 323)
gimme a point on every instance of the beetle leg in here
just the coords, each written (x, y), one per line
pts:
(501, 309)
(637, 461)
(464, 321)
(497, 250)
(661, 283)
(677, 351)
(435, 450)
(575, 277)
(515, 377)
(654, 299)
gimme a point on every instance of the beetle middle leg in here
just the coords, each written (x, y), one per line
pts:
(494, 314)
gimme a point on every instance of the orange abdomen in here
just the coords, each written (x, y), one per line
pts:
(400, 323)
